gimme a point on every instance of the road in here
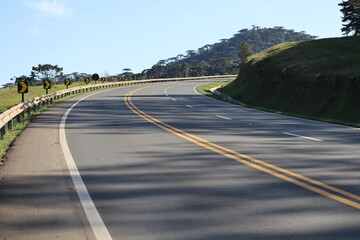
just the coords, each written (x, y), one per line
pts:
(149, 183)
(162, 162)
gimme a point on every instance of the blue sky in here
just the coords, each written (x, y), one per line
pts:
(108, 35)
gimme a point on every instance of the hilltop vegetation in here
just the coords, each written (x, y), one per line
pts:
(318, 78)
(223, 57)
(258, 38)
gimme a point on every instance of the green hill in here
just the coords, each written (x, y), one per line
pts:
(258, 38)
(316, 78)
(222, 58)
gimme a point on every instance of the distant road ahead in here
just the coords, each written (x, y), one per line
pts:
(163, 162)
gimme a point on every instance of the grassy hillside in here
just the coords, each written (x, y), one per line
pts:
(316, 78)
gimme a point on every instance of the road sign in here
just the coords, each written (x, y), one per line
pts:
(47, 84)
(103, 79)
(23, 87)
(67, 82)
(86, 80)
(135, 77)
(119, 78)
(95, 77)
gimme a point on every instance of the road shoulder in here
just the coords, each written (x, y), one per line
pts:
(37, 197)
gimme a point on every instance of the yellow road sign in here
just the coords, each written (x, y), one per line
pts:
(67, 82)
(87, 80)
(23, 87)
(103, 79)
(47, 84)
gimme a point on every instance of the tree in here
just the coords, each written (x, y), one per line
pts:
(190, 53)
(7, 85)
(351, 17)
(158, 71)
(46, 72)
(29, 79)
(245, 51)
(203, 68)
(180, 57)
(162, 62)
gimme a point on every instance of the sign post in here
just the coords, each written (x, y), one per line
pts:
(23, 87)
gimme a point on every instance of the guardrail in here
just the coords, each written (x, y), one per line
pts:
(17, 112)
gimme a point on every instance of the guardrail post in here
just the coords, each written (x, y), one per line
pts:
(2, 131)
(18, 117)
(10, 124)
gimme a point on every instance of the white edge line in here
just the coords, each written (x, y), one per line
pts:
(174, 99)
(92, 214)
(223, 117)
(300, 136)
(189, 106)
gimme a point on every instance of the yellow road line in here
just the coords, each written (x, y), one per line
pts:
(247, 160)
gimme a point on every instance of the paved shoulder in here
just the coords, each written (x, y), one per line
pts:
(37, 197)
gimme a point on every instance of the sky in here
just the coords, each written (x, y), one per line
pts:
(106, 36)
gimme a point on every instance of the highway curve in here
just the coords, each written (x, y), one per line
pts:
(163, 162)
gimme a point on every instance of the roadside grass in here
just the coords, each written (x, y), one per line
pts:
(205, 90)
(9, 137)
(9, 97)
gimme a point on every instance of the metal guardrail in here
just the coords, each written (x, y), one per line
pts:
(17, 112)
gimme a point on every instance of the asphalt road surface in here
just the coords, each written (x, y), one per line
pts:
(162, 162)
(149, 183)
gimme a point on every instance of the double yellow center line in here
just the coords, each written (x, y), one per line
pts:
(297, 179)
